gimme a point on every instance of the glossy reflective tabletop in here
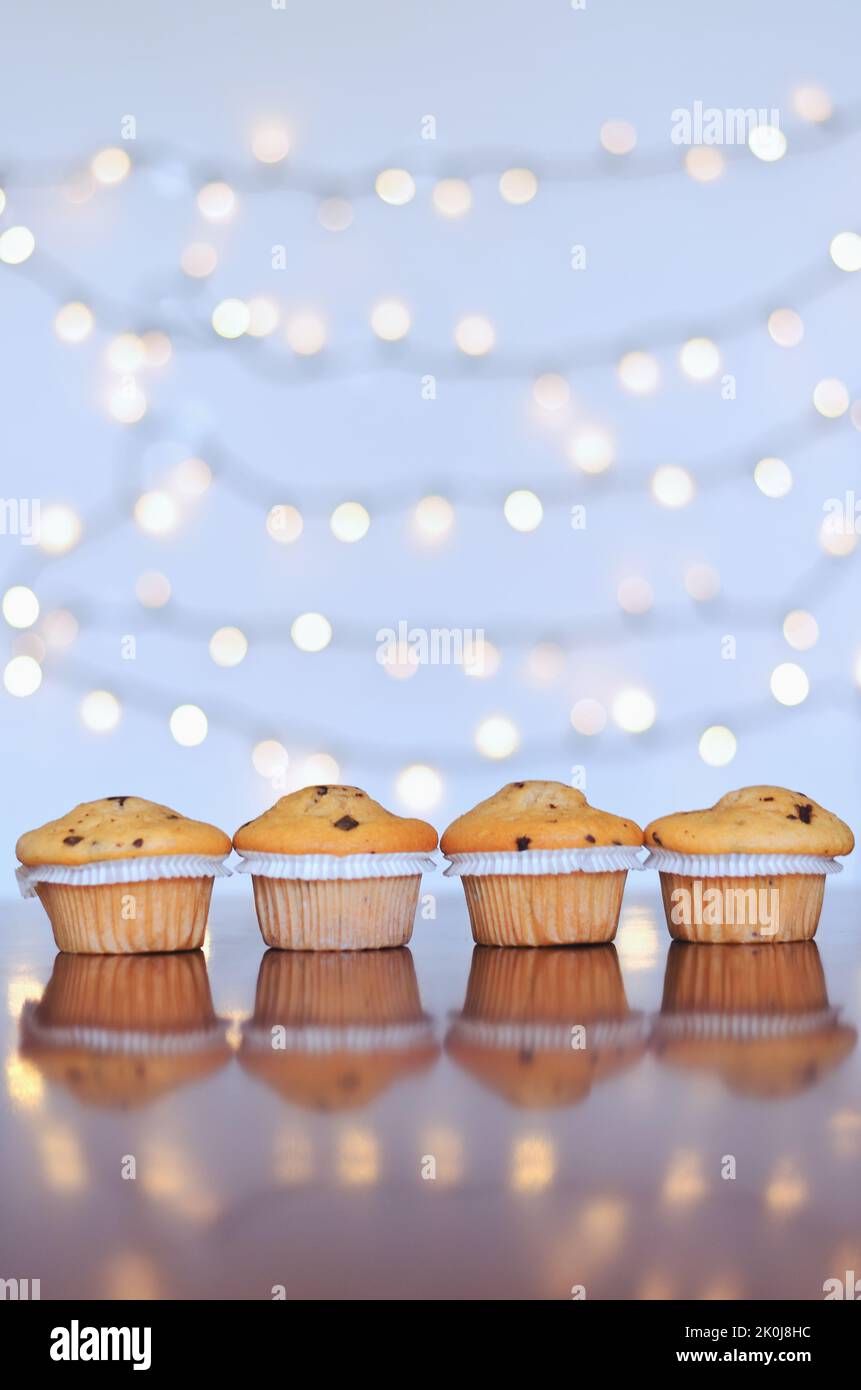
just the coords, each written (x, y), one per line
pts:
(423, 1126)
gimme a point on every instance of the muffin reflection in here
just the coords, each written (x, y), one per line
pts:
(332, 1030)
(120, 1031)
(540, 1027)
(758, 1018)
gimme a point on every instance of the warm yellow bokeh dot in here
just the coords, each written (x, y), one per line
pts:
(767, 142)
(284, 523)
(20, 606)
(17, 245)
(452, 197)
(702, 582)
(152, 589)
(639, 373)
(59, 528)
(497, 737)
(263, 316)
(335, 214)
(73, 323)
(349, 522)
(633, 710)
(189, 725)
(592, 449)
(228, 646)
(773, 477)
(551, 391)
(199, 259)
(801, 629)
(216, 201)
(717, 745)
(390, 320)
(588, 717)
(190, 478)
(311, 632)
(518, 186)
(230, 318)
(635, 595)
(474, 335)
(100, 711)
(845, 250)
(789, 683)
(22, 676)
(523, 510)
(812, 103)
(270, 758)
(837, 536)
(270, 143)
(831, 397)
(110, 166)
(419, 788)
(618, 137)
(785, 327)
(433, 519)
(395, 186)
(704, 163)
(700, 359)
(306, 333)
(156, 513)
(672, 486)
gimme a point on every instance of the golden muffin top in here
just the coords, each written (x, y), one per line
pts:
(333, 820)
(537, 815)
(118, 827)
(754, 820)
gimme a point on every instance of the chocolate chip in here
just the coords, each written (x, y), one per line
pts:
(656, 838)
(73, 839)
(346, 823)
(322, 791)
(177, 818)
(792, 818)
(616, 842)
(805, 813)
(137, 844)
(517, 784)
(525, 1056)
(523, 842)
(766, 798)
(591, 839)
(121, 800)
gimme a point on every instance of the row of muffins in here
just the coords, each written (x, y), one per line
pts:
(332, 869)
(330, 1031)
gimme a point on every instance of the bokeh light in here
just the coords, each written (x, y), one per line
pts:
(789, 683)
(474, 335)
(311, 632)
(349, 522)
(497, 737)
(100, 711)
(419, 788)
(633, 710)
(228, 646)
(523, 510)
(20, 606)
(189, 725)
(717, 745)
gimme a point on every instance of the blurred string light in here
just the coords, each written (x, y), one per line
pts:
(591, 448)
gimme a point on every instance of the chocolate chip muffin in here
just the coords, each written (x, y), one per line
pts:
(332, 869)
(541, 867)
(751, 868)
(123, 875)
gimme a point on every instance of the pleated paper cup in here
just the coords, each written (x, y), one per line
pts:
(329, 902)
(332, 1030)
(742, 899)
(545, 897)
(543, 1027)
(122, 1030)
(759, 1019)
(126, 906)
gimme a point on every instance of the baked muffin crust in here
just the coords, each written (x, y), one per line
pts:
(754, 820)
(333, 820)
(537, 815)
(118, 827)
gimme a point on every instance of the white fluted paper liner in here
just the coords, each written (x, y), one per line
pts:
(667, 861)
(743, 1027)
(329, 867)
(552, 1037)
(147, 869)
(322, 1038)
(126, 1041)
(598, 859)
